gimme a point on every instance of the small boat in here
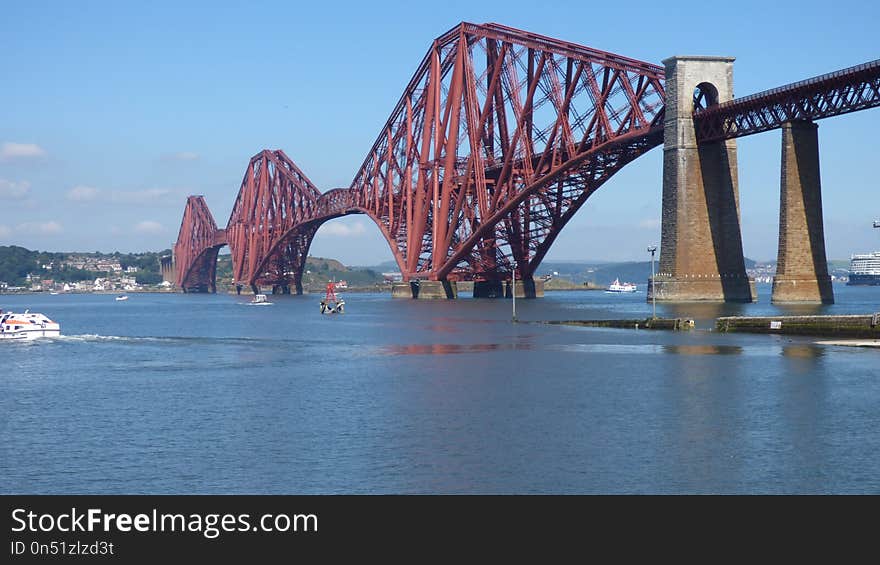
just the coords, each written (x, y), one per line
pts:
(618, 286)
(53, 293)
(260, 300)
(27, 326)
(331, 304)
(121, 297)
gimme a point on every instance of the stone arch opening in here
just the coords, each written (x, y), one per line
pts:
(705, 96)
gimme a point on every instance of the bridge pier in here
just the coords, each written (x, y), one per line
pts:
(801, 267)
(701, 256)
(527, 288)
(425, 290)
(255, 289)
(202, 289)
(490, 289)
(168, 268)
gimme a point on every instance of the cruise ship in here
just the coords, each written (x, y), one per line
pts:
(864, 269)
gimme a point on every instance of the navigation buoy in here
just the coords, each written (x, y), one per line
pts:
(331, 304)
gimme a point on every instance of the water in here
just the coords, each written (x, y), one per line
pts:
(204, 394)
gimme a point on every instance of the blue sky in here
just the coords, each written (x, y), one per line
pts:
(113, 112)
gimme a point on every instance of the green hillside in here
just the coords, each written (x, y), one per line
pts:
(319, 270)
(17, 262)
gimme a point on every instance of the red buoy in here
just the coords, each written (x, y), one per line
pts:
(331, 292)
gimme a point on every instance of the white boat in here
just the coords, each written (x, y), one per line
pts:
(618, 286)
(121, 297)
(27, 326)
(864, 268)
(260, 300)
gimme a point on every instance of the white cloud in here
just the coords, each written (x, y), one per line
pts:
(4, 231)
(651, 224)
(337, 229)
(14, 190)
(10, 150)
(149, 196)
(40, 228)
(183, 156)
(149, 227)
(82, 193)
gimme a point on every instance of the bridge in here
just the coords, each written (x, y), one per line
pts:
(498, 140)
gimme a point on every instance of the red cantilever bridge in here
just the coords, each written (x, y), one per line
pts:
(498, 139)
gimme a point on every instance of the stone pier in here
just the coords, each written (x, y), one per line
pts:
(490, 289)
(801, 268)
(425, 290)
(701, 256)
(528, 288)
(168, 268)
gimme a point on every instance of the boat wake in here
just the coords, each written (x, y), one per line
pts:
(172, 340)
(92, 338)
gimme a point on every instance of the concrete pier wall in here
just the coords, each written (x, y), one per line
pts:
(425, 290)
(528, 288)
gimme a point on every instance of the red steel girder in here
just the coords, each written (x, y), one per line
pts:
(275, 197)
(275, 217)
(499, 137)
(195, 253)
(847, 90)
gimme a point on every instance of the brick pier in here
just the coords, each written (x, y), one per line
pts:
(801, 268)
(701, 256)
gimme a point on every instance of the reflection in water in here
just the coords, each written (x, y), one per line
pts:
(703, 313)
(804, 358)
(806, 351)
(449, 348)
(703, 349)
(443, 326)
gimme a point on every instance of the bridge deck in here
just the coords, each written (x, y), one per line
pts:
(832, 94)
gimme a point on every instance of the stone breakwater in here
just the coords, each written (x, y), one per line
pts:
(851, 326)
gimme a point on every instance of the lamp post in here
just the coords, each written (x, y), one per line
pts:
(652, 250)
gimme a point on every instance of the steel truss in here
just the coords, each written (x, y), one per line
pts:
(498, 139)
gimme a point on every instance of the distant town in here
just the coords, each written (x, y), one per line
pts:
(22, 270)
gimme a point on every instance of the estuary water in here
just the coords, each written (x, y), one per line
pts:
(172, 393)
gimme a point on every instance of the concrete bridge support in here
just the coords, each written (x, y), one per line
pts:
(168, 268)
(701, 257)
(527, 288)
(801, 268)
(425, 290)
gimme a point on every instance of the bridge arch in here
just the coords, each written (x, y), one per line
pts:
(197, 246)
